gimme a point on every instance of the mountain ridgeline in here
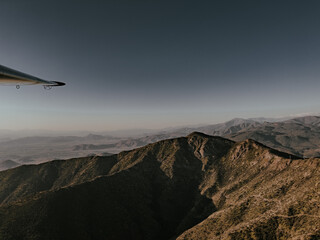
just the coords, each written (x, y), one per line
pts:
(194, 187)
(298, 136)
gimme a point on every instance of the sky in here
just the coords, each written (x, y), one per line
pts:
(157, 64)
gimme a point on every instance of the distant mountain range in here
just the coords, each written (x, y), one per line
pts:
(8, 164)
(298, 136)
(194, 187)
(39, 149)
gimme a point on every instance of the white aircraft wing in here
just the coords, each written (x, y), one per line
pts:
(9, 76)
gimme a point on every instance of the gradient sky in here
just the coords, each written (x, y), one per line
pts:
(154, 64)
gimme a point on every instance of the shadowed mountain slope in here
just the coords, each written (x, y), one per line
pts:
(194, 187)
(121, 194)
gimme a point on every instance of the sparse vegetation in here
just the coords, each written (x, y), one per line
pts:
(198, 187)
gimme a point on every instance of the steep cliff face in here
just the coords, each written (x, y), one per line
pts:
(194, 187)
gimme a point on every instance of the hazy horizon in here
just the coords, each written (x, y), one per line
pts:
(153, 65)
(128, 132)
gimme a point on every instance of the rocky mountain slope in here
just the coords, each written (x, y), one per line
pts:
(194, 187)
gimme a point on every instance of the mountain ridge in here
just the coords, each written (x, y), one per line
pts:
(298, 136)
(171, 189)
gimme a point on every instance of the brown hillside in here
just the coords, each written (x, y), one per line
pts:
(198, 187)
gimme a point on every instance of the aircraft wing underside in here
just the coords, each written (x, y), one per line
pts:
(9, 76)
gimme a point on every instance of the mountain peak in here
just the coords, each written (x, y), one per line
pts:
(253, 144)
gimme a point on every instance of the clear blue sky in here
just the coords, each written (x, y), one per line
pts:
(153, 64)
